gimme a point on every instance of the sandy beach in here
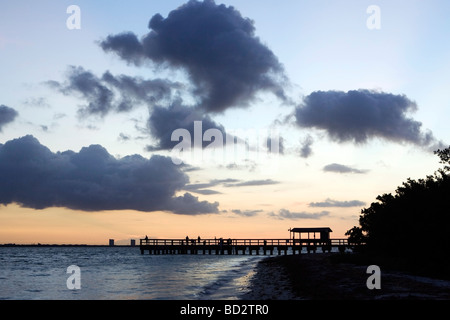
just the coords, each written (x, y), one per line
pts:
(322, 277)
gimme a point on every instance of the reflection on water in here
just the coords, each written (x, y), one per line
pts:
(120, 273)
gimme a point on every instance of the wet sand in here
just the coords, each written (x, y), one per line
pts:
(323, 277)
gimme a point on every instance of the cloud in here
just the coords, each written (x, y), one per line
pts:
(201, 188)
(205, 192)
(251, 183)
(7, 115)
(335, 203)
(246, 213)
(340, 168)
(248, 165)
(135, 89)
(306, 150)
(188, 204)
(216, 182)
(123, 137)
(164, 121)
(38, 102)
(126, 45)
(360, 115)
(286, 214)
(92, 180)
(110, 93)
(215, 45)
(204, 188)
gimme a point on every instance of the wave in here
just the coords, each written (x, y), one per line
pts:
(232, 283)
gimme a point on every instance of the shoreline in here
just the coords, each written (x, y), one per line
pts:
(321, 276)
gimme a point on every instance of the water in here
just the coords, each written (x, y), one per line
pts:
(28, 273)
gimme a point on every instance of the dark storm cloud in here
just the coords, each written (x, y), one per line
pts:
(360, 115)
(7, 115)
(112, 93)
(126, 45)
(335, 203)
(340, 168)
(99, 97)
(136, 90)
(164, 121)
(217, 47)
(92, 180)
(189, 205)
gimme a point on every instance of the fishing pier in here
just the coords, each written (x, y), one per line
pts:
(314, 239)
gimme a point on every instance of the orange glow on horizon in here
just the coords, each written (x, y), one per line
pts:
(63, 226)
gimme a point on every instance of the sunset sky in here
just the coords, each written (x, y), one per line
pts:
(332, 104)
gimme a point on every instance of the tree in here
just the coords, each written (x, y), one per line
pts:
(444, 155)
(414, 222)
(356, 236)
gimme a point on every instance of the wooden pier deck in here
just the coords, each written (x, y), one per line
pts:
(240, 246)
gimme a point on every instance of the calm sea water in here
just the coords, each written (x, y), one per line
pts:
(28, 273)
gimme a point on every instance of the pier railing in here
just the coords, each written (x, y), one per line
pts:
(234, 246)
(240, 242)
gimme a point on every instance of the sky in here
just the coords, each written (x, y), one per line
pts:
(236, 119)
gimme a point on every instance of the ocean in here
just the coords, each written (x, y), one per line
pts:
(120, 273)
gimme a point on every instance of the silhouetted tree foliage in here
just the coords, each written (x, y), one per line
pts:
(414, 223)
(445, 158)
